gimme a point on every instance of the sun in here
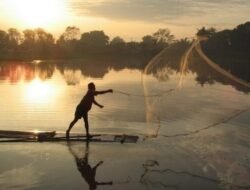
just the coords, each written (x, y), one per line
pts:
(36, 13)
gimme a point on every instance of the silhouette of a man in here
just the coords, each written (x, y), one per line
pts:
(87, 172)
(85, 105)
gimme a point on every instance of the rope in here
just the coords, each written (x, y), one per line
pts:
(218, 181)
(144, 96)
(225, 120)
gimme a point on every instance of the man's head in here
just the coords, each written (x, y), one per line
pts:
(91, 86)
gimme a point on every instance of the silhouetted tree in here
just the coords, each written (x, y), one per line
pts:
(230, 49)
(37, 44)
(117, 40)
(148, 40)
(163, 36)
(4, 53)
(117, 44)
(240, 38)
(148, 44)
(95, 38)
(15, 38)
(71, 33)
(44, 42)
(43, 37)
(68, 43)
(29, 39)
(206, 31)
(133, 47)
(3, 39)
(94, 41)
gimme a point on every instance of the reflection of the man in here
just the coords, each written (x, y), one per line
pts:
(83, 166)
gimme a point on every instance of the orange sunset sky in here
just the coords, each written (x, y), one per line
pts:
(129, 19)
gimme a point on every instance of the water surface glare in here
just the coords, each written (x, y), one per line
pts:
(193, 135)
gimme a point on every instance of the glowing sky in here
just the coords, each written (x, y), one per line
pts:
(130, 19)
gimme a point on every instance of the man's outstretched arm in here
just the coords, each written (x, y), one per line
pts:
(104, 91)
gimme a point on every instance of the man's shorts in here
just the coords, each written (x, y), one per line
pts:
(80, 112)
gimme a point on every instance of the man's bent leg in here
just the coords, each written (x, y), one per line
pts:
(86, 122)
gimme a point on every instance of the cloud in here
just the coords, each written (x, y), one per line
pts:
(158, 10)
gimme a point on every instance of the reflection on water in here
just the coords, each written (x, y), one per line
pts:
(199, 128)
(39, 92)
(20, 71)
(168, 178)
(44, 94)
(88, 173)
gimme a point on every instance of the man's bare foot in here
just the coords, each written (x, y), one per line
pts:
(88, 136)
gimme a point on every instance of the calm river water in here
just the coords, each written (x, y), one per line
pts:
(194, 127)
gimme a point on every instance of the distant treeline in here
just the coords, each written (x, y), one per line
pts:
(230, 49)
(39, 44)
